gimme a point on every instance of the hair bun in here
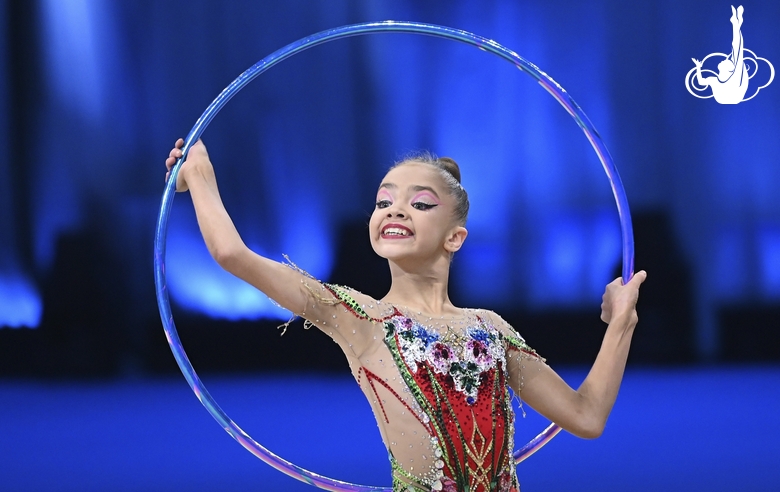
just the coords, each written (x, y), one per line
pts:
(450, 166)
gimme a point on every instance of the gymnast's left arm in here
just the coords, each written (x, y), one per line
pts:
(584, 412)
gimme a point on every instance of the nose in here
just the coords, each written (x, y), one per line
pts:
(396, 209)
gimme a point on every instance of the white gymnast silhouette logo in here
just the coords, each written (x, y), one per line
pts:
(730, 84)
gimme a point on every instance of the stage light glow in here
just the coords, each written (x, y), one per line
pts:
(769, 258)
(198, 284)
(20, 303)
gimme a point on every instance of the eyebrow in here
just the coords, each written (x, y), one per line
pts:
(415, 188)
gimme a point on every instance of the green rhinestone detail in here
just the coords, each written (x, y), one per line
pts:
(341, 293)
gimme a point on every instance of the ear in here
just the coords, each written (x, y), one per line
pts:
(455, 239)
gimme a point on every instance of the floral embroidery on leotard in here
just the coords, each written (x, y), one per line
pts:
(457, 378)
(462, 358)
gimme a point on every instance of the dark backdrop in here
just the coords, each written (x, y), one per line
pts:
(93, 93)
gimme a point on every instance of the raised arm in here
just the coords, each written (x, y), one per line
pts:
(289, 287)
(737, 43)
(584, 412)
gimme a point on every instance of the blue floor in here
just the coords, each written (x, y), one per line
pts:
(712, 429)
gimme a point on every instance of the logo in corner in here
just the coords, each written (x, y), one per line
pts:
(729, 85)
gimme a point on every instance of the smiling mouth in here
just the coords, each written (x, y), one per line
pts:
(395, 232)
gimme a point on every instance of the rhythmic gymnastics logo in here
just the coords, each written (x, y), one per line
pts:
(729, 84)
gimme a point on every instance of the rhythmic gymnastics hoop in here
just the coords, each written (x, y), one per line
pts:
(266, 63)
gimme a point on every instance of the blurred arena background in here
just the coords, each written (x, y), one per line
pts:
(93, 93)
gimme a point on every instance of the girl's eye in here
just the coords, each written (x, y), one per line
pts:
(423, 205)
(382, 203)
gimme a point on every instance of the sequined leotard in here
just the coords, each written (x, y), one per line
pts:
(438, 388)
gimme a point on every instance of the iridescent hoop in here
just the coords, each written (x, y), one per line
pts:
(266, 63)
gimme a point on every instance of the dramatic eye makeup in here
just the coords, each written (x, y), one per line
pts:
(424, 201)
(383, 199)
(426, 197)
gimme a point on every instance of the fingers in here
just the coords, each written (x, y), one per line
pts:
(175, 154)
(620, 298)
(638, 278)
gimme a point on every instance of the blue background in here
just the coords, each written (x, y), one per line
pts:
(93, 93)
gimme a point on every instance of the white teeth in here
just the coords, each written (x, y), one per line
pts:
(395, 231)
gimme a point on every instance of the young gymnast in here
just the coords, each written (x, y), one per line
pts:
(437, 376)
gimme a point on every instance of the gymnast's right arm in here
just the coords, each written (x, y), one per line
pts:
(287, 286)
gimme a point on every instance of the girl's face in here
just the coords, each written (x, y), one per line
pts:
(413, 217)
